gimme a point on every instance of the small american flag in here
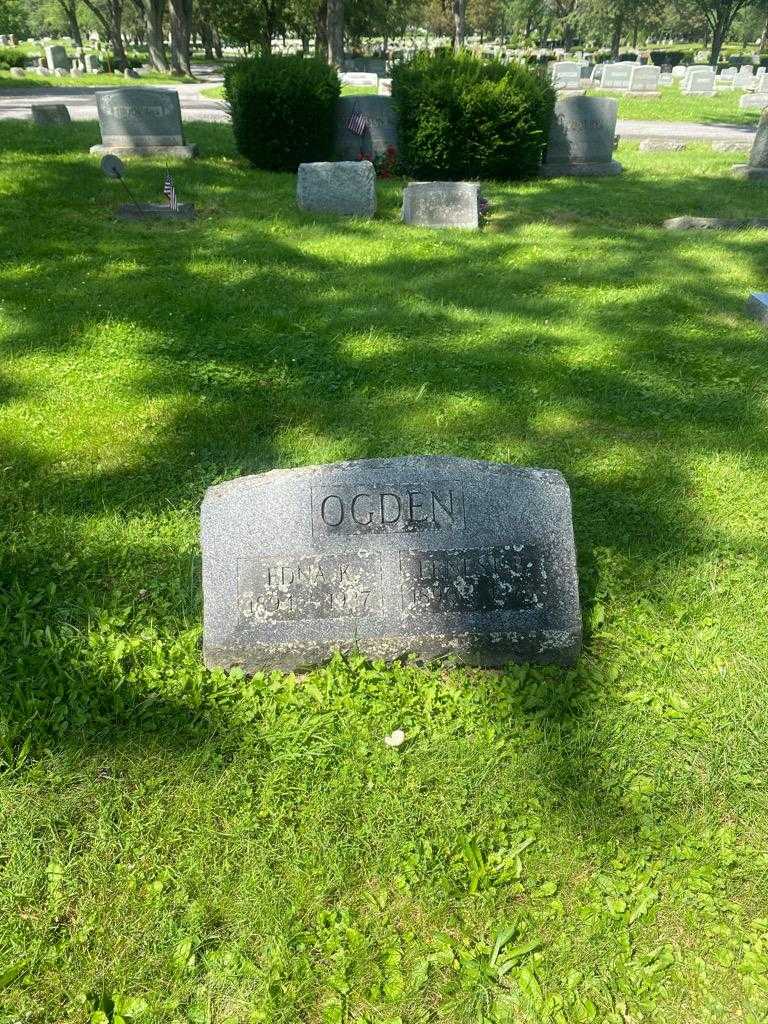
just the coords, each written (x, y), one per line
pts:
(169, 189)
(357, 123)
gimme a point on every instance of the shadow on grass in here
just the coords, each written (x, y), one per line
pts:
(269, 338)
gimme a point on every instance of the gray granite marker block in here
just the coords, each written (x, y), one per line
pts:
(661, 146)
(380, 132)
(347, 187)
(757, 306)
(442, 204)
(756, 169)
(45, 114)
(715, 223)
(141, 122)
(581, 138)
(427, 555)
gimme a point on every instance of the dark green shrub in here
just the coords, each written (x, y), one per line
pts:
(673, 57)
(12, 58)
(282, 110)
(464, 118)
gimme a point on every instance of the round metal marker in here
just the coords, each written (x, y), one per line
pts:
(112, 166)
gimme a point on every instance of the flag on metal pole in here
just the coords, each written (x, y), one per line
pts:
(169, 189)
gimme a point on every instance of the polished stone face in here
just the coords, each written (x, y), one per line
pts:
(427, 555)
(140, 116)
(380, 132)
(583, 130)
(346, 188)
(441, 204)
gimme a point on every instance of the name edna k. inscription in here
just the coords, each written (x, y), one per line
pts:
(421, 554)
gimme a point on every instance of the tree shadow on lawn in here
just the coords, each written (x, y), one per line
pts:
(268, 338)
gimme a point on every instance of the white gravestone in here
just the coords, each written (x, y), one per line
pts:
(644, 81)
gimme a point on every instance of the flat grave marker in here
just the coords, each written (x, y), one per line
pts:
(428, 555)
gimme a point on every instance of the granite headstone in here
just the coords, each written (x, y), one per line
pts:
(617, 76)
(581, 138)
(442, 204)
(56, 57)
(141, 122)
(427, 555)
(757, 167)
(344, 187)
(644, 81)
(45, 114)
(380, 127)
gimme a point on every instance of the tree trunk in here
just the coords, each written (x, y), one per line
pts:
(266, 41)
(764, 38)
(459, 23)
(181, 28)
(206, 34)
(111, 20)
(70, 10)
(335, 31)
(304, 42)
(719, 32)
(618, 26)
(217, 43)
(152, 11)
(321, 33)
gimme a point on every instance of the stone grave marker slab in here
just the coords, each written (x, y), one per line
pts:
(644, 81)
(427, 555)
(581, 138)
(566, 74)
(344, 187)
(700, 83)
(45, 114)
(380, 131)
(757, 306)
(756, 169)
(442, 204)
(141, 122)
(56, 57)
(617, 76)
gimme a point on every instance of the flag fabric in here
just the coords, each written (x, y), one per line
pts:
(169, 189)
(357, 122)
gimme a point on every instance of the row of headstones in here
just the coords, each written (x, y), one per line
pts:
(368, 80)
(623, 75)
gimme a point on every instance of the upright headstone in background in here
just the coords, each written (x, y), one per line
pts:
(617, 76)
(758, 99)
(385, 87)
(700, 82)
(141, 122)
(566, 74)
(345, 187)
(56, 57)
(45, 114)
(644, 81)
(92, 63)
(442, 204)
(581, 138)
(359, 79)
(422, 554)
(380, 127)
(757, 167)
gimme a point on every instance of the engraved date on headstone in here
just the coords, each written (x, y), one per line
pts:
(472, 580)
(332, 586)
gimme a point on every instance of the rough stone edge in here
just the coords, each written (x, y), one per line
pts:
(757, 307)
(605, 170)
(544, 646)
(714, 224)
(176, 152)
(553, 477)
(748, 173)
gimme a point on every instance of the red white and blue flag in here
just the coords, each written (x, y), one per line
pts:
(169, 189)
(357, 123)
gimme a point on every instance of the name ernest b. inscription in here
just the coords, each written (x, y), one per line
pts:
(422, 554)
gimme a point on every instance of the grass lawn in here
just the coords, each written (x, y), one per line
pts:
(103, 81)
(672, 105)
(182, 846)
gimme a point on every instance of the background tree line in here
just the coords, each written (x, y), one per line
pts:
(167, 27)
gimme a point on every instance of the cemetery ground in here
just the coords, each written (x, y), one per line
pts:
(180, 845)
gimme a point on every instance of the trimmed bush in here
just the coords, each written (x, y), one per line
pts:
(464, 118)
(12, 58)
(282, 110)
(673, 57)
